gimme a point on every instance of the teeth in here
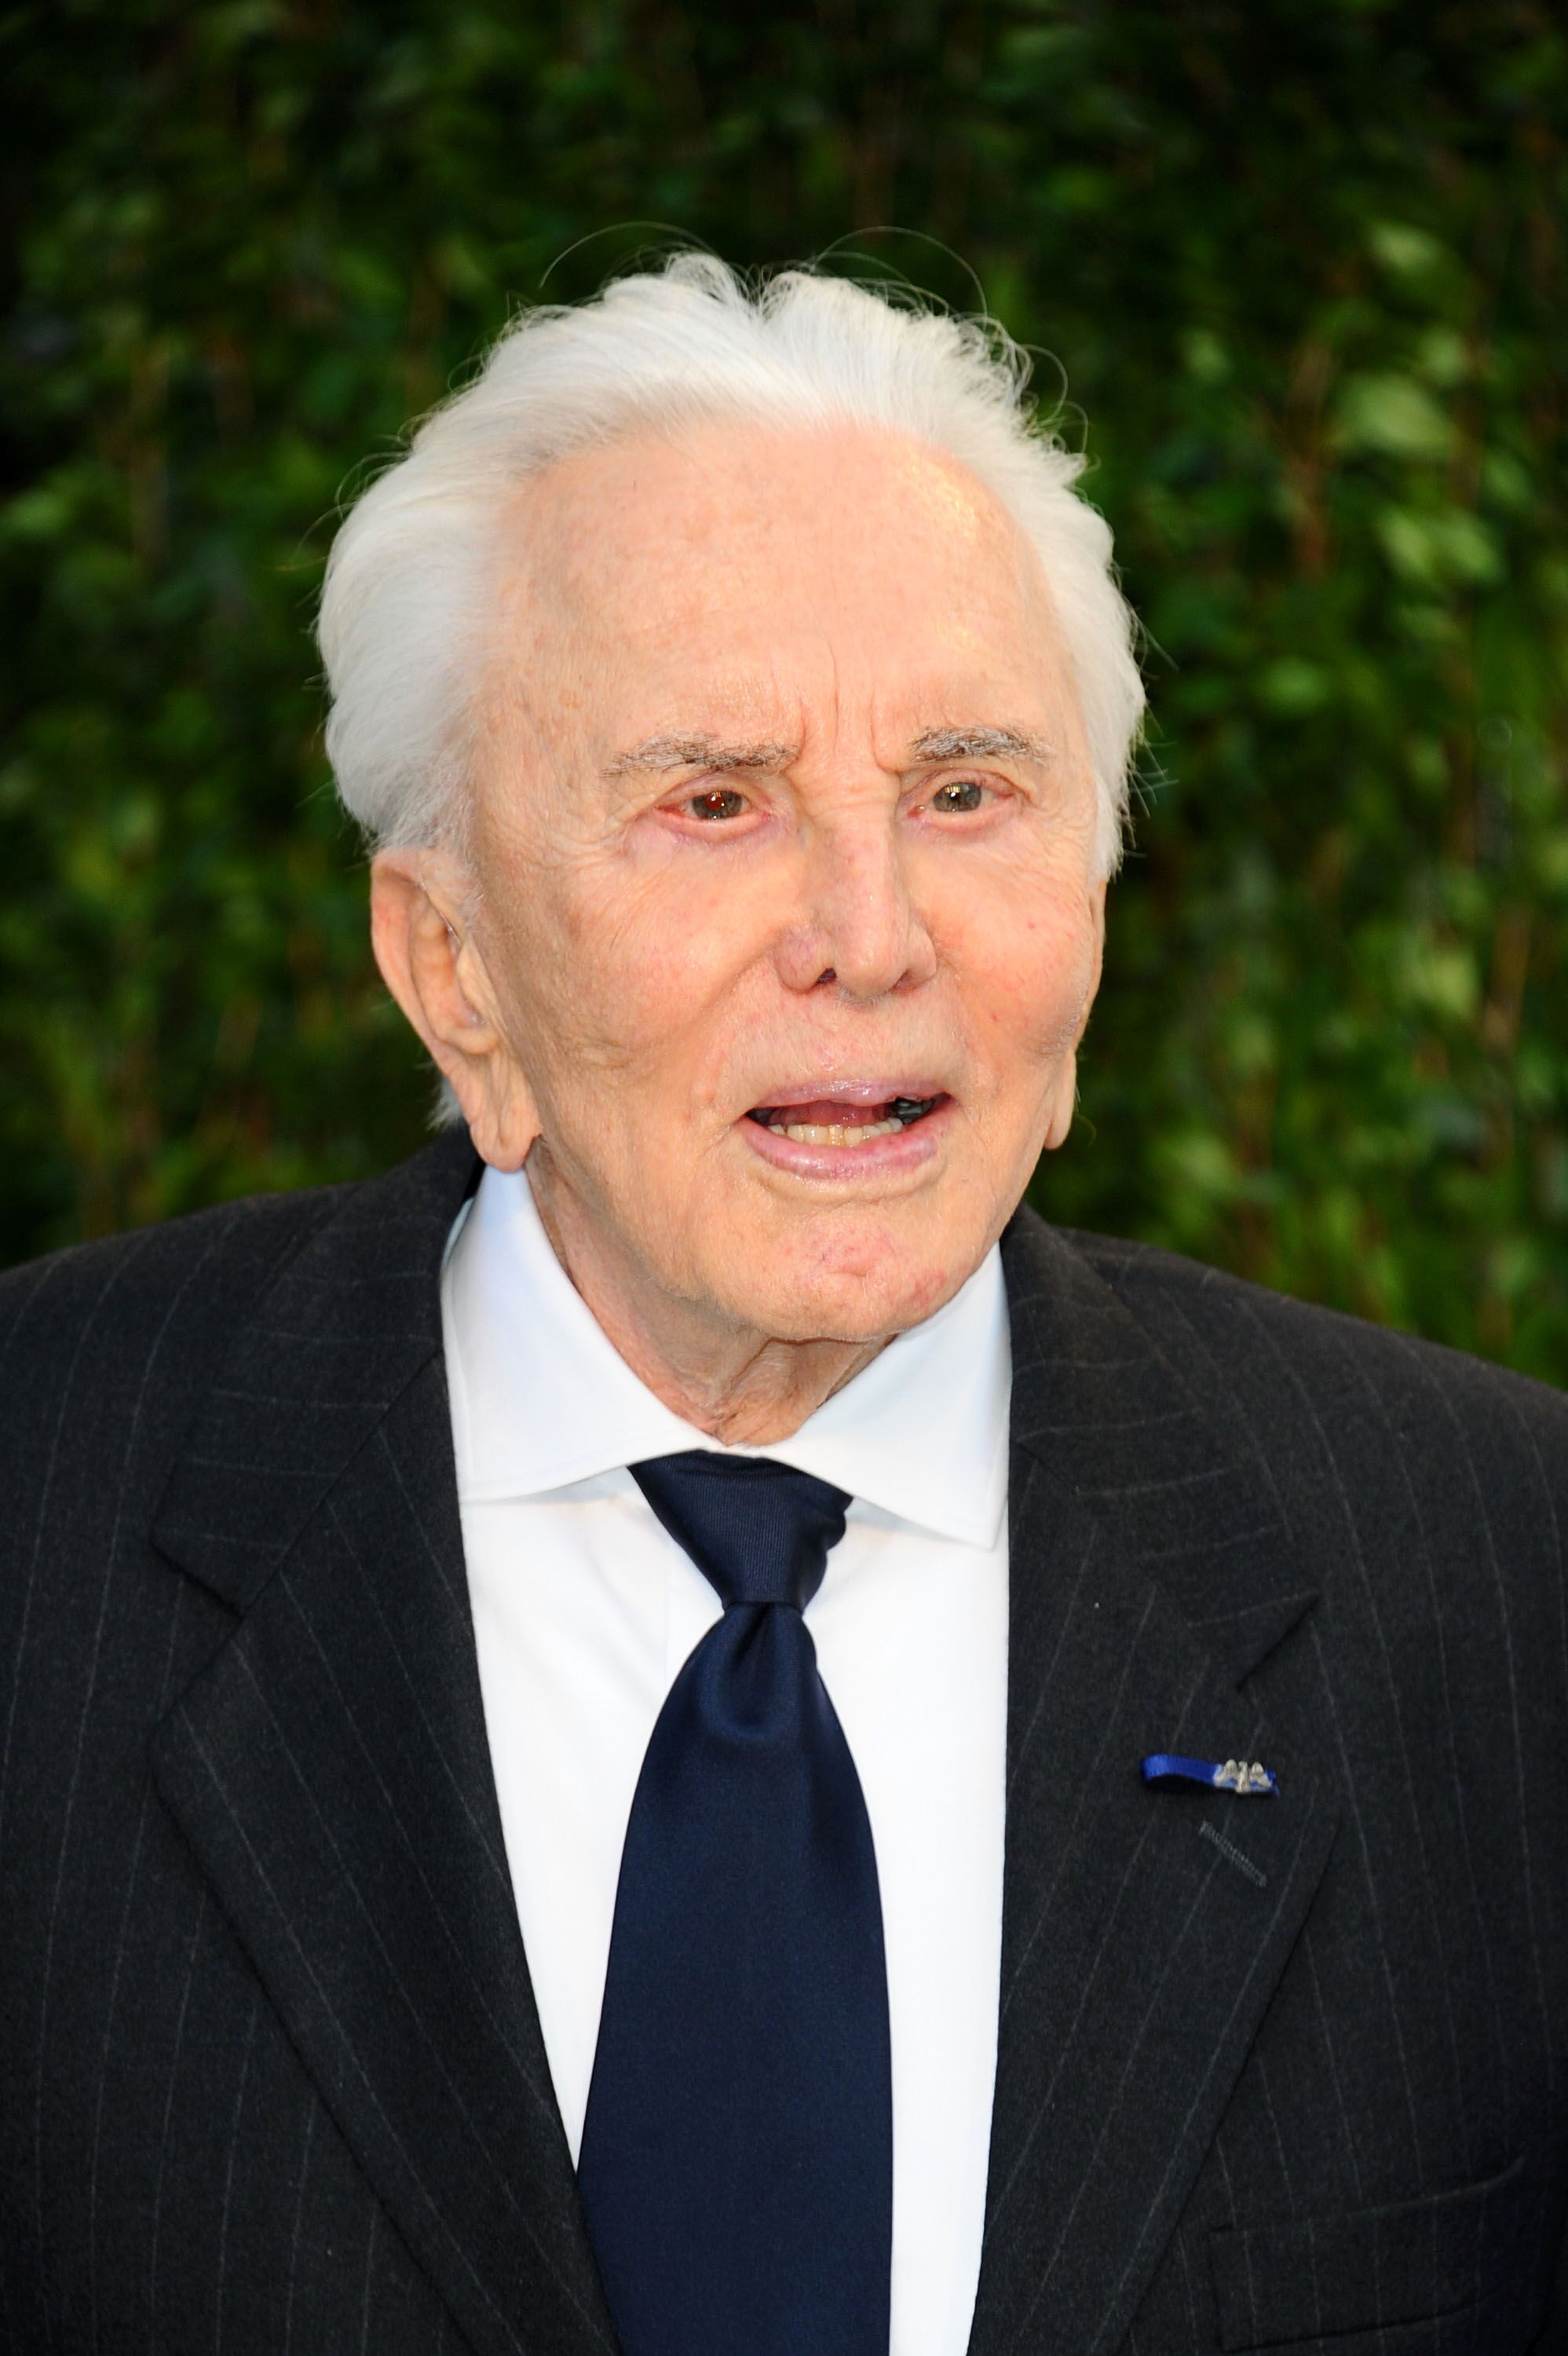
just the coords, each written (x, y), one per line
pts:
(805, 1132)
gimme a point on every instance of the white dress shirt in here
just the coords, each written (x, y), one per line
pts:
(584, 1609)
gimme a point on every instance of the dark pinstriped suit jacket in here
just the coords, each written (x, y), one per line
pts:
(1283, 2072)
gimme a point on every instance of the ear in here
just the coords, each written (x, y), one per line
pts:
(421, 929)
(1065, 1095)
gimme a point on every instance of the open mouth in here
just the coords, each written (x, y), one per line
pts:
(826, 1122)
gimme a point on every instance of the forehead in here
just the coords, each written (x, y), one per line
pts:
(763, 567)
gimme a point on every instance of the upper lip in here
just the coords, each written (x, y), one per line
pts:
(853, 1092)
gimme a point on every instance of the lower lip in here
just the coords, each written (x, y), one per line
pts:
(879, 1157)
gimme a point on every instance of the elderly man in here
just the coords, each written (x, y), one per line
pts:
(675, 1727)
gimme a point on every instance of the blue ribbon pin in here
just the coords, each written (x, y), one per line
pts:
(1245, 1777)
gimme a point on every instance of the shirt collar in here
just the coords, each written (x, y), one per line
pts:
(541, 1398)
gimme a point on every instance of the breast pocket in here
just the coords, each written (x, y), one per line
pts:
(1483, 2248)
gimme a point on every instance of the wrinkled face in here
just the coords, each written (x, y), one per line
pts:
(784, 828)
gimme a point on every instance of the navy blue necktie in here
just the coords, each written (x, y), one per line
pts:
(736, 2167)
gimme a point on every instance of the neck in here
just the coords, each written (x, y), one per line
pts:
(740, 1386)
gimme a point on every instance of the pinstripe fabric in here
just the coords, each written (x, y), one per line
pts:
(169, 2178)
(271, 2076)
(1382, 2163)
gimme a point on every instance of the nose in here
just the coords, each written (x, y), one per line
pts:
(858, 924)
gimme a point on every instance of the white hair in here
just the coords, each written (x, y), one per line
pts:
(409, 583)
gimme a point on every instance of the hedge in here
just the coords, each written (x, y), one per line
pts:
(1295, 273)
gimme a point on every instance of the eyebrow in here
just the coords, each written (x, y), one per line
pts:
(979, 745)
(656, 754)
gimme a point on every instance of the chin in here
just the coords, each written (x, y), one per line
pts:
(848, 1295)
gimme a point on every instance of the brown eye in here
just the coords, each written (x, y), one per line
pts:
(960, 794)
(719, 802)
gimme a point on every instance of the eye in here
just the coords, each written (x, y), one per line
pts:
(958, 795)
(717, 802)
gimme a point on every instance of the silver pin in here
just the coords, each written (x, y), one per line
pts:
(1242, 1775)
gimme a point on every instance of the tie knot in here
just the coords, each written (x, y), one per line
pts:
(759, 1532)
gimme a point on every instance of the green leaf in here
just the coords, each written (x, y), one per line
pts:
(1394, 416)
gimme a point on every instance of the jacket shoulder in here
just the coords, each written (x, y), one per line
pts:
(107, 1352)
(109, 1349)
(1283, 1363)
(201, 1269)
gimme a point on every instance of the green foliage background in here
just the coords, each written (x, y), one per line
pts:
(1301, 263)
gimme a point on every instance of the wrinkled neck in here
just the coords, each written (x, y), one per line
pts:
(742, 1387)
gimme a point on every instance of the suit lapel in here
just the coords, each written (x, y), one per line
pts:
(331, 1772)
(1149, 1576)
